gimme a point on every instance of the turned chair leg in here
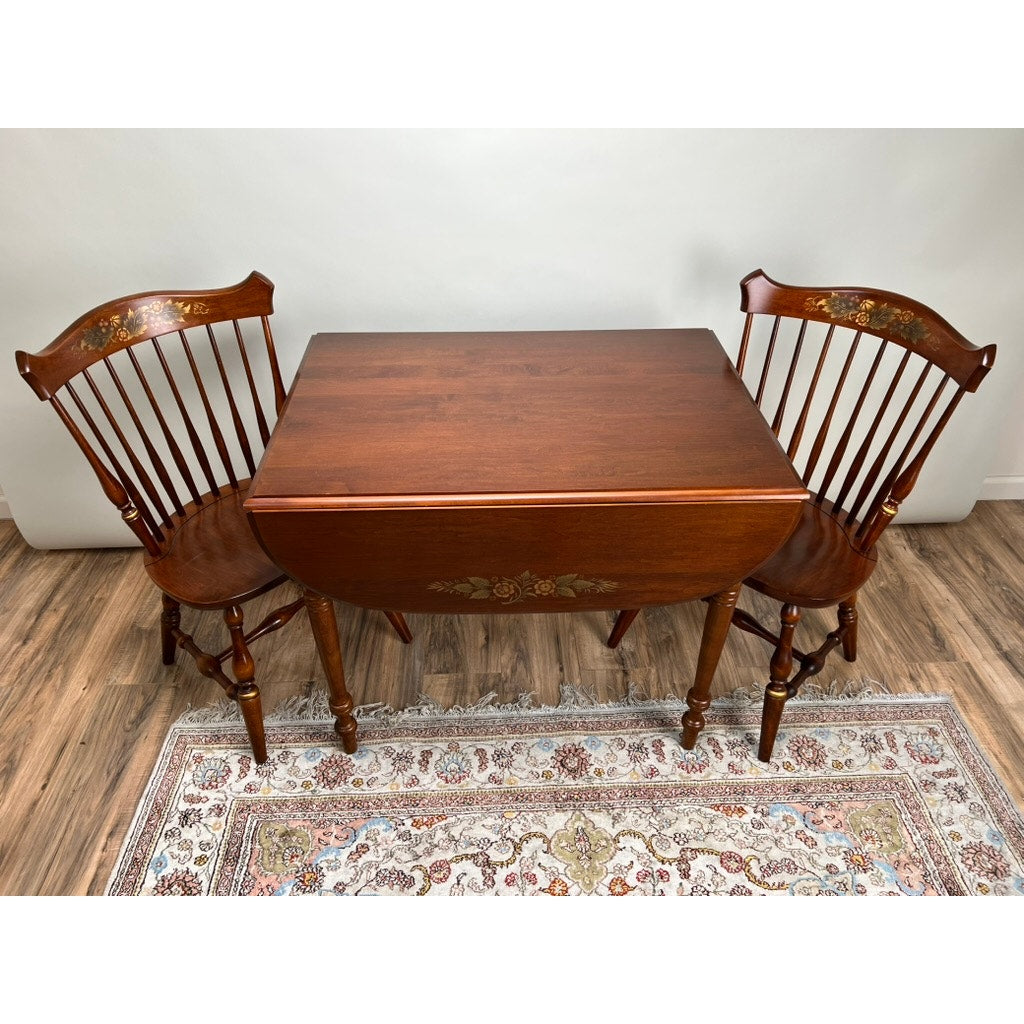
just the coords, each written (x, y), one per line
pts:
(246, 692)
(170, 620)
(777, 692)
(622, 623)
(848, 626)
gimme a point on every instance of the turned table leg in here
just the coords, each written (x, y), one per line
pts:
(716, 628)
(325, 632)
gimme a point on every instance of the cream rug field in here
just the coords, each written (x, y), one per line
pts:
(866, 795)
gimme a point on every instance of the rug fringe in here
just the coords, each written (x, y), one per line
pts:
(314, 707)
(838, 689)
(223, 710)
(570, 698)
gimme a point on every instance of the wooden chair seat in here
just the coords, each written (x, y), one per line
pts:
(891, 373)
(212, 558)
(819, 564)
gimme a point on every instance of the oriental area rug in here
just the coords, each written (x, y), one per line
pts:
(874, 794)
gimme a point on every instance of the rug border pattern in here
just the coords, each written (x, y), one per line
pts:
(431, 722)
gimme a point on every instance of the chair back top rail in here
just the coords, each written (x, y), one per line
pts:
(161, 425)
(884, 314)
(123, 322)
(863, 441)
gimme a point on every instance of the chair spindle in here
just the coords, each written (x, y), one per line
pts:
(154, 458)
(186, 419)
(215, 431)
(140, 470)
(261, 419)
(172, 445)
(236, 419)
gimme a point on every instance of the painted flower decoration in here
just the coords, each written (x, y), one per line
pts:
(871, 315)
(158, 317)
(513, 589)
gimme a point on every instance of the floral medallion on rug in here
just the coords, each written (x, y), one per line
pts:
(865, 795)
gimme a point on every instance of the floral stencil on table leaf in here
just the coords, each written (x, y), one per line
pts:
(513, 589)
(871, 315)
(155, 318)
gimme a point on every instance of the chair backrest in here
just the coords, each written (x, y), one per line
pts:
(857, 385)
(177, 411)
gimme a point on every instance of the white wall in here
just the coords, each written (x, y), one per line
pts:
(371, 229)
(461, 165)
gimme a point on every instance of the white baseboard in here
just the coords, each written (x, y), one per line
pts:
(5, 509)
(1002, 488)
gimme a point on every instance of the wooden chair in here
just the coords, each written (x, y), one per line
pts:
(168, 427)
(859, 403)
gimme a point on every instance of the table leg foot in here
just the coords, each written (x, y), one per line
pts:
(693, 722)
(345, 729)
(716, 628)
(324, 624)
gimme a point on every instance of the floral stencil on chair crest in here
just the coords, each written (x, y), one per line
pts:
(154, 318)
(871, 315)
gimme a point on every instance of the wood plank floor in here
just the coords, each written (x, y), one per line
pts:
(85, 702)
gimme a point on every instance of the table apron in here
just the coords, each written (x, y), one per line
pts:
(525, 558)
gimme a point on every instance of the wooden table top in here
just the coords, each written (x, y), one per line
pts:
(539, 417)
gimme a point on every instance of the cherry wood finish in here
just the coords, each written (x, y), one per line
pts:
(901, 370)
(172, 402)
(522, 472)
